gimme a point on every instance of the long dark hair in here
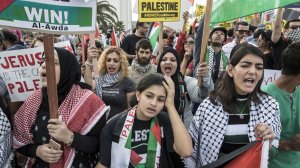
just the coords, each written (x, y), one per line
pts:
(225, 91)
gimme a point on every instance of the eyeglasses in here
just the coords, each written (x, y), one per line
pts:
(295, 27)
(242, 31)
(189, 42)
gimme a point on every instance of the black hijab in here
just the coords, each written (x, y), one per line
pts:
(175, 75)
(70, 73)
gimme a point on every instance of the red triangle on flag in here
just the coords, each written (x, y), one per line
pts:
(5, 4)
(135, 159)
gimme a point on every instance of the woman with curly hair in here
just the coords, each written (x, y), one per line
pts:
(112, 84)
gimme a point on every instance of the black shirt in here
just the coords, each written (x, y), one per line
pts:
(140, 134)
(116, 96)
(129, 44)
(277, 49)
(268, 61)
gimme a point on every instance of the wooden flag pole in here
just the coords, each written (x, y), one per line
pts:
(95, 61)
(83, 51)
(160, 42)
(205, 35)
(50, 69)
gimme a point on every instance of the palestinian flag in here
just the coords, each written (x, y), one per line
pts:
(114, 38)
(254, 157)
(225, 10)
(5, 4)
(154, 33)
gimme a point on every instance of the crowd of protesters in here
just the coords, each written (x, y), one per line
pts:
(145, 107)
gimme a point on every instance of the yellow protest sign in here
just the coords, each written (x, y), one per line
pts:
(159, 10)
(269, 26)
(227, 25)
(200, 9)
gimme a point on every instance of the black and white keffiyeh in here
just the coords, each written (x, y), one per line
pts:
(140, 68)
(6, 153)
(293, 35)
(106, 80)
(210, 122)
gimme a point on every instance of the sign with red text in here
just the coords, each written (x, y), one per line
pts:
(270, 76)
(20, 70)
(49, 16)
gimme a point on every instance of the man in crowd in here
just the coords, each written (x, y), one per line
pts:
(241, 32)
(141, 65)
(215, 56)
(11, 40)
(129, 43)
(281, 41)
(286, 91)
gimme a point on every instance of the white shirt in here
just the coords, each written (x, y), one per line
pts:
(229, 46)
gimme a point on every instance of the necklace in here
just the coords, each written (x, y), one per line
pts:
(241, 112)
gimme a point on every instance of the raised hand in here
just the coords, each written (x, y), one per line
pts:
(92, 53)
(185, 16)
(203, 69)
(187, 55)
(169, 86)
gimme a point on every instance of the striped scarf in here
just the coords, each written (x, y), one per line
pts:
(122, 153)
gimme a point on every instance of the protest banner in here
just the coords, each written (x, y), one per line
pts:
(20, 70)
(159, 10)
(49, 16)
(224, 10)
(270, 76)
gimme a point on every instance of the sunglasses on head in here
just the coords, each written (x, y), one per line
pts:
(295, 27)
(189, 42)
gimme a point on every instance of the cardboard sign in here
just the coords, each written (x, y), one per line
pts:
(159, 10)
(20, 70)
(49, 16)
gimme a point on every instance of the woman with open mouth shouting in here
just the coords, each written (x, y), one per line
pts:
(112, 84)
(72, 139)
(237, 112)
(186, 88)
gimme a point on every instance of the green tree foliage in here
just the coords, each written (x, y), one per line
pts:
(106, 15)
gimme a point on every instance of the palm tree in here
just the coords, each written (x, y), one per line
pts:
(120, 26)
(106, 14)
